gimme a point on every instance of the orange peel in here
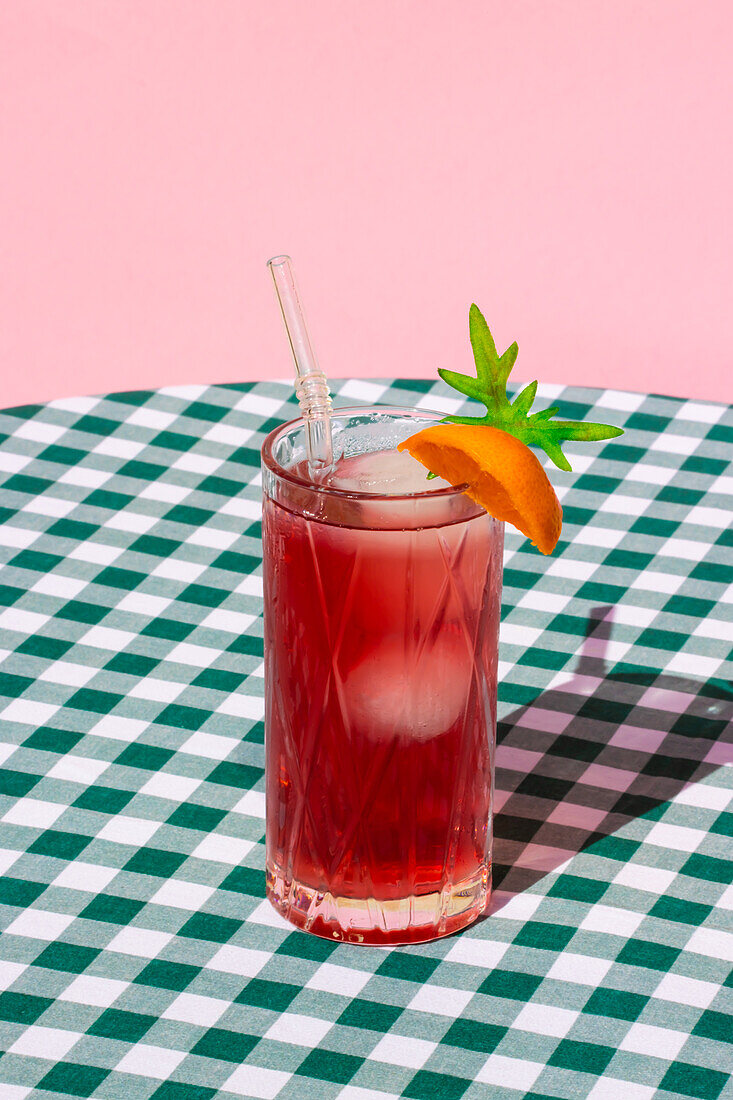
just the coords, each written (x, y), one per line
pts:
(501, 473)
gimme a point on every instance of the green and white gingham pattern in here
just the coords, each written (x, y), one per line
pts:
(139, 958)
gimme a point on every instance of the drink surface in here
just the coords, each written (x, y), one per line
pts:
(381, 650)
(390, 472)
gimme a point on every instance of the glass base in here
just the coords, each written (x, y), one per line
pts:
(412, 919)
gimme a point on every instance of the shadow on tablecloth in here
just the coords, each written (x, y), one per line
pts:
(594, 753)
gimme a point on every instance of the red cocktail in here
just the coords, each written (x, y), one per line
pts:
(382, 599)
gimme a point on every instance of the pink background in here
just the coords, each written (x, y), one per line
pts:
(565, 163)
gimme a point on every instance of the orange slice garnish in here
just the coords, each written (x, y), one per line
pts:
(501, 472)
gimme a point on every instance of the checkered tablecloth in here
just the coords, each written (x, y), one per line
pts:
(139, 958)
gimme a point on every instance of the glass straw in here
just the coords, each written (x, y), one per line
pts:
(311, 384)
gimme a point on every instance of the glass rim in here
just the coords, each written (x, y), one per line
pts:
(268, 457)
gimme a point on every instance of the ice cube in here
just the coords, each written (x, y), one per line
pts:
(389, 472)
(396, 692)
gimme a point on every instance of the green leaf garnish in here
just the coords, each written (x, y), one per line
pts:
(489, 387)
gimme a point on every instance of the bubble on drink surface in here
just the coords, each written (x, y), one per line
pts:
(411, 693)
(385, 472)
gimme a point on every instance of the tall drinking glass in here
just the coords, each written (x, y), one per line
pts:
(382, 600)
